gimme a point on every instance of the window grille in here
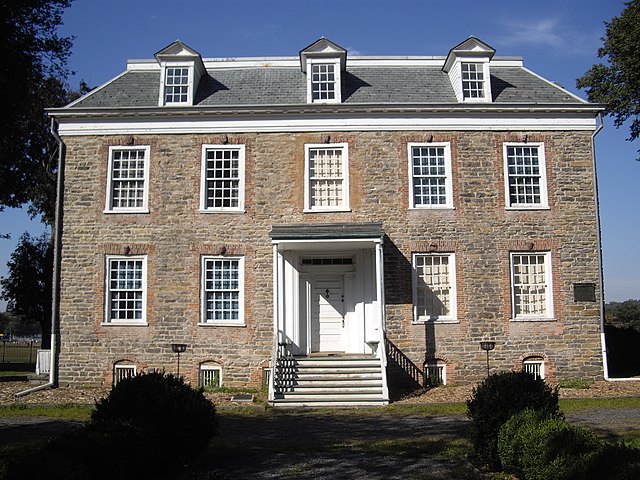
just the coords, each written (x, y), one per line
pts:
(176, 85)
(123, 371)
(222, 173)
(525, 176)
(210, 376)
(433, 286)
(530, 284)
(222, 284)
(534, 367)
(127, 179)
(472, 80)
(326, 177)
(429, 176)
(323, 82)
(126, 289)
(435, 374)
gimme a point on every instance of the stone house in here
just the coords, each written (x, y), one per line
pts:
(335, 227)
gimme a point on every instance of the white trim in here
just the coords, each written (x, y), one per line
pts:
(337, 85)
(448, 176)
(339, 123)
(190, 66)
(109, 190)
(241, 179)
(345, 177)
(436, 363)
(549, 314)
(453, 307)
(542, 165)
(211, 368)
(107, 321)
(203, 298)
(533, 360)
(123, 366)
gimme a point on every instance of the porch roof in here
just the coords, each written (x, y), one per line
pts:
(327, 231)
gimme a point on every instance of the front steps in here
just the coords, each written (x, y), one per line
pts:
(333, 381)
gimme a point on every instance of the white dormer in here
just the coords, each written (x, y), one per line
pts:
(181, 68)
(324, 63)
(468, 67)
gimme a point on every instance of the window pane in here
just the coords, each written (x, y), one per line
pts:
(529, 285)
(126, 289)
(429, 176)
(326, 177)
(222, 178)
(433, 286)
(323, 82)
(222, 289)
(127, 178)
(472, 80)
(524, 172)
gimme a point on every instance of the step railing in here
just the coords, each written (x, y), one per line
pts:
(285, 368)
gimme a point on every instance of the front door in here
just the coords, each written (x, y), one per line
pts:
(327, 315)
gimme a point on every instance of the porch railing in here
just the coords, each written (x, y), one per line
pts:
(409, 368)
(284, 369)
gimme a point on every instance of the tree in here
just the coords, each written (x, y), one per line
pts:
(27, 288)
(32, 77)
(617, 85)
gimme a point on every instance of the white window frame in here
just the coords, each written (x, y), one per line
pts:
(119, 372)
(209, 368)
(544, 202)
(308, 182)
(239, 322)
(108, 292)
(439, 366)
(534, 366)
(109, 208)
(452, 316)
(480, 67)
(241, 179)
(335, 62)
(548, 285)
(163, 80)
(447, 176)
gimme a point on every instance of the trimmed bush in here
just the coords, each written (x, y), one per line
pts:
(147, 428)
(173, 418)
(499, 397)
(538, 448)
(615, 462)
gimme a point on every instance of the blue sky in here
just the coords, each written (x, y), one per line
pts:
(558, 40)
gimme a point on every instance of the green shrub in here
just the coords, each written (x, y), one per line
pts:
(615, 462)
(499, 397)
(176, 419)
(538, 448)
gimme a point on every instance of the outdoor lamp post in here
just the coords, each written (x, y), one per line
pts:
(487, 347)
(178, 348)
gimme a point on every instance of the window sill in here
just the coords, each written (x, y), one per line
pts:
(423, 322)
(124, 324)
(531, 207)
(532, 319)
(439, 207)
(142, 210)
(222, 324)
(325, 210)
(233, 211)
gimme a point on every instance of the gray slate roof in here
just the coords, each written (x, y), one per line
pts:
(281, 86)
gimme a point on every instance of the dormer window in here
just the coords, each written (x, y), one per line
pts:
(468, 67)
(323, 62)
(176, 85)
(472, 80)
(181, 69)
(323, 82)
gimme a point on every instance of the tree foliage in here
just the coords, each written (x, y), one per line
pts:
(27, 288)
(617, 84)
(32, 77)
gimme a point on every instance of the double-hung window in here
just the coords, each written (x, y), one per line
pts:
(126, 290)
(326, 178)
(222, 178)
(323, 81)
(525, 176)
(531, 290)
(434, 292)
(176, 85)
(222, 291)
(128, 179)
(472, 80)
(430, 176)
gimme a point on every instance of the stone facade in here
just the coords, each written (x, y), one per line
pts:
(479, 230)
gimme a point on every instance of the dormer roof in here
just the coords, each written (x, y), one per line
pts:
(323, 48)
(180, 52)
(472, 47)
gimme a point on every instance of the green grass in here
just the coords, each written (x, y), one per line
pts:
(66, 412)
(11, 373)
(569, 405)
(13, 353)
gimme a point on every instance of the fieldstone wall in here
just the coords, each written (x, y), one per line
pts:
(480, 230)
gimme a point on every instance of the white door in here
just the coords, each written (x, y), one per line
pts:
(327, 315)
